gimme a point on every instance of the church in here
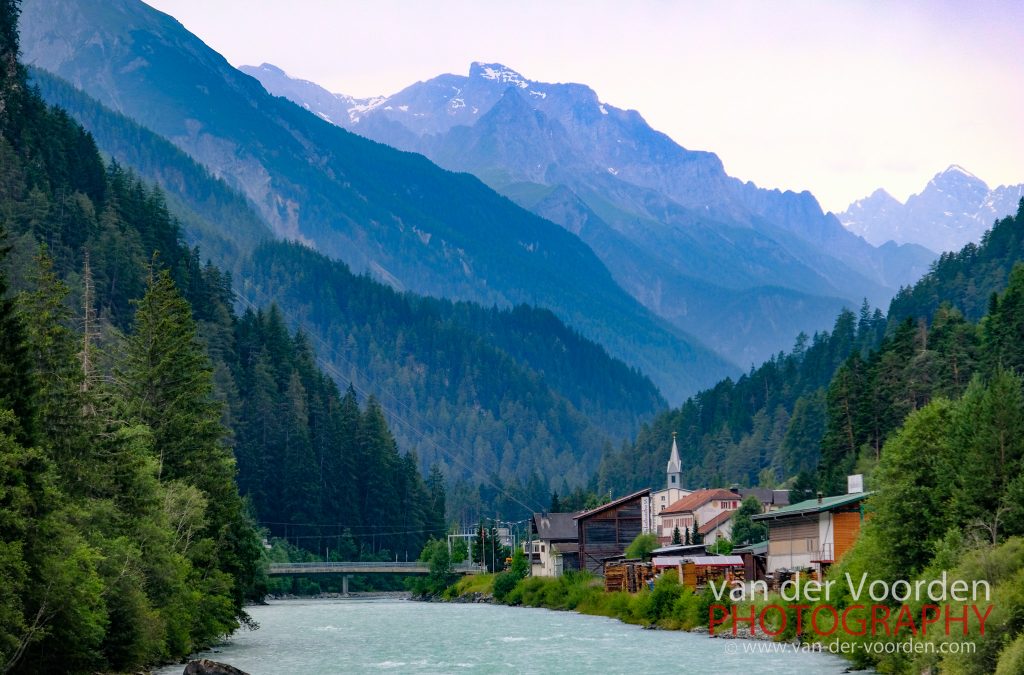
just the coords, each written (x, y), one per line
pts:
(673, 490)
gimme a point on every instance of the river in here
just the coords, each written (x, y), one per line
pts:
(357, 636)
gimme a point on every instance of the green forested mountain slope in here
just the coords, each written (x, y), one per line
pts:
(382, 211)
(213, 215)
(510, 393)
(738, 429)
(966, 278)
(935, 419)
(514, 394)
(828, 407)
(127, 389)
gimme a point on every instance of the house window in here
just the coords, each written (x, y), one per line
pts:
(673, 479)
(542, 548)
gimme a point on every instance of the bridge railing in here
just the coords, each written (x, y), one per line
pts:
(342, 566)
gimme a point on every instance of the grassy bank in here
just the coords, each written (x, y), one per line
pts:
(669, 605)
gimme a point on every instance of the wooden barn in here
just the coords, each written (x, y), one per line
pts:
(606, 532)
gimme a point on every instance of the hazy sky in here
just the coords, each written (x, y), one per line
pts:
(835, 97)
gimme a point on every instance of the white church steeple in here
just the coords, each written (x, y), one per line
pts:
(674, 471)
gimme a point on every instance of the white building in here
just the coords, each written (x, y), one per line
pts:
(711, 509)
(554, 547)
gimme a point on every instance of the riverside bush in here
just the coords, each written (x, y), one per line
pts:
(504, 583)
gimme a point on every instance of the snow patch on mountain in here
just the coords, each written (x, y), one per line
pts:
(498, 72)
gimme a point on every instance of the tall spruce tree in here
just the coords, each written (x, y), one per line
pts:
(17, 390)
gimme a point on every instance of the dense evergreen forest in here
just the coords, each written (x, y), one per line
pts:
(935, 418)
(827, 407)
(213, 216)
(128, 386)
(515, 390)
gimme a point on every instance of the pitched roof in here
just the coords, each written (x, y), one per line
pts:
(677, 549)
(674, 464)
(715, 522)
(556, 526)
(813, 506)
(757, 548)
(716, 560)
(697, 499)
(609, 505)
(767, 495)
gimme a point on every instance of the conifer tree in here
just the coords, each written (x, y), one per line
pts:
(166, 384)
(52, 346)
(436, 519)
(17, 390)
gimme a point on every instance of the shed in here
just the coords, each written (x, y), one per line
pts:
(606, 532)
(755, 560)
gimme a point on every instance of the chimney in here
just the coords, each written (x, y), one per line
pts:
(820, 496)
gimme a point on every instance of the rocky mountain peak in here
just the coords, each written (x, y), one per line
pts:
(498, 73)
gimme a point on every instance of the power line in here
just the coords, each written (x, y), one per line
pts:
(288, 524)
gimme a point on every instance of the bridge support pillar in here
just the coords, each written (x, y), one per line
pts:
(344, 584)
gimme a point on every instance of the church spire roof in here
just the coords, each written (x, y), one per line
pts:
(675, 466)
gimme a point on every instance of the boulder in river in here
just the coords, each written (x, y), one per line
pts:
(208, 667)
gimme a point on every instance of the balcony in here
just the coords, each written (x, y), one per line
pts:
(824, 555)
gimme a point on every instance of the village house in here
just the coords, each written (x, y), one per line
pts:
(770, 499)
(554, 546)
(712, 510)
(606, 532)
(814, 533)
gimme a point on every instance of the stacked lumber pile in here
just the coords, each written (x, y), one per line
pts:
(629, 575)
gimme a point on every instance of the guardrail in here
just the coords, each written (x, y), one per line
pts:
(343, 565)
(368, 567)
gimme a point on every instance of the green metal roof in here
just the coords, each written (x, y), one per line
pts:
(813, 506)
(752, 548)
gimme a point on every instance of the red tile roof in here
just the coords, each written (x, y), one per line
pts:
(716, 521)
(695, 500)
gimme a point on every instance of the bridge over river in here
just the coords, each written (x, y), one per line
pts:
(348, 569)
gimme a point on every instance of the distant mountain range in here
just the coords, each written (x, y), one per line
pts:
(954, 209)
(391, 214)
(742, 267)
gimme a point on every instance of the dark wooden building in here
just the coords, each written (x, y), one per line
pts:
(755, 560)
(606, 532)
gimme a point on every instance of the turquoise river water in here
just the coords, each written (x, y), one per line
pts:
(402, 636)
